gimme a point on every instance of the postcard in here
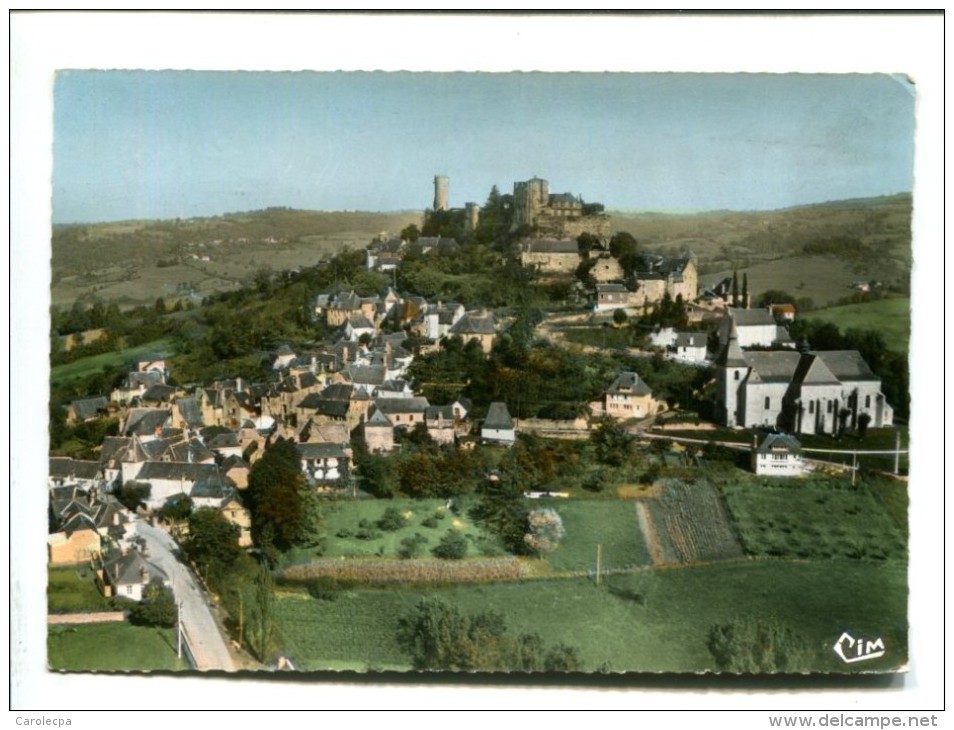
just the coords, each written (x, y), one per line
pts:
(542, 374)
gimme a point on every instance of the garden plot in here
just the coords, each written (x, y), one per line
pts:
(688, 524)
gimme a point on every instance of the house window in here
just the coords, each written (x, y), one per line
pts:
(811, 406)
(129, 590)
(736, 374)
(829, 406)
(867, 401)
(768, 403)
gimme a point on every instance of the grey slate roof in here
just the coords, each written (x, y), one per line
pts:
(86, 408)
(779, 441)
(171, 470)
(628, 383)
(325, 406)
(145, 421)
(130, 568)
(498, 417)
(846, 365)
(389, 406)
(159, 393)
(750, 317)
(473, 323)
(691, 339)
(366, 374)
(321, 451)
(113, 449)
(774, 365)
(63, 467)
(190, 411)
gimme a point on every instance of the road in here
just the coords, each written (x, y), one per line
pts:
(208, 646)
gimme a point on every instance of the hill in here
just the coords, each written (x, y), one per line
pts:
(814, 251)
(823, 248)
(134, 262)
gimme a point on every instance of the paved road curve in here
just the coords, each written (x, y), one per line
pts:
(209, 648)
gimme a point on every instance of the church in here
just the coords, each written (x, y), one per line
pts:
(815, 392)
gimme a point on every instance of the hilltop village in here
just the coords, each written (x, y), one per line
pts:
(427, 368)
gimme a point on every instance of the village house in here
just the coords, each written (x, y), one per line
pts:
(476, 326)
(127, 575)
(778, 455)
(550, 255)
(378, 433)
(628, 396)
(657, 276)
(441, 424)
(66, 471)
(611, 296)
(86, 409)
(403, 413)
(239, 516)
(325, 464)
(753, 328)
(690, 347)
(498, 427)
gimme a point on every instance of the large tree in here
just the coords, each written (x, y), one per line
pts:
(212, 543)
(284, 508)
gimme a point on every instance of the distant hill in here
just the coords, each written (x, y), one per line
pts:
(132, 262)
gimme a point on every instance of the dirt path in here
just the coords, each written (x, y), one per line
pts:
(646, 526)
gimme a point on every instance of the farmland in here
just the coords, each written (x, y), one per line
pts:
(813, 519)
(135, 262)
(644, 621)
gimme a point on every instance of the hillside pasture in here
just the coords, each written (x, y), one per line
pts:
(823, 279)
(87, 366)
(891, 317)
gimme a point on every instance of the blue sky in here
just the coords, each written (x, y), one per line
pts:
(151, 144)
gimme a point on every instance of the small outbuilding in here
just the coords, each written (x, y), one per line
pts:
(779, 455)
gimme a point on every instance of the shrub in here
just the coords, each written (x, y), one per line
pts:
(410, 547)
(453, 546)
(392, 520)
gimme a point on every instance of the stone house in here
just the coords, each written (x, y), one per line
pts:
(628, 396)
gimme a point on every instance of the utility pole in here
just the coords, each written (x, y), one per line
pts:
(854, 466)
(897, 452)
(599, 563)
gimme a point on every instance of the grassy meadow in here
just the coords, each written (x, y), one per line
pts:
(87, 366)
(891, 317)
(72, 590)
(643, 621)
(112, 647)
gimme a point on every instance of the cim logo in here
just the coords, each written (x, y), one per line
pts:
(853, 650)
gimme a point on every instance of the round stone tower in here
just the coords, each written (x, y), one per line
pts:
(441, 191)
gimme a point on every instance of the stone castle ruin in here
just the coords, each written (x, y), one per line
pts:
(559, 216)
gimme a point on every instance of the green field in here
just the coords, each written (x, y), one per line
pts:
(891, 317)
(72, 590)
(611, 523)
(645, 621)
(813, 519)
(112, 647)
(96, 363)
